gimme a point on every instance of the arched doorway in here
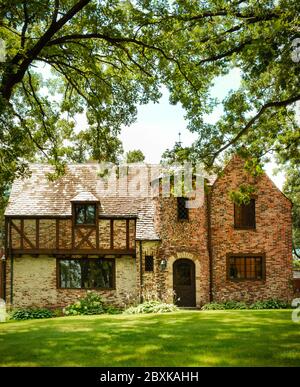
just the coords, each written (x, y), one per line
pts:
(184, 282)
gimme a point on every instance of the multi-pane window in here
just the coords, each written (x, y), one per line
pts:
(182, 210)
(244, 215)
(85, 214)
(149, 263)
(86, 273)
(245, 267)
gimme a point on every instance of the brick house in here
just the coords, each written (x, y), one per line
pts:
(67, 236)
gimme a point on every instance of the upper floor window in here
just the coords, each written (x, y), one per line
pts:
(182, 210)
(85, 214)
(244, 215)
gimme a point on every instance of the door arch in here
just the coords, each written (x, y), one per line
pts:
(184, 284)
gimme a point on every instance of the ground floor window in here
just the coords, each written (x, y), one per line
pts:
(86, 273)
(244, 267)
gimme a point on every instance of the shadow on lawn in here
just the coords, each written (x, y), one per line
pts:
(180, 339)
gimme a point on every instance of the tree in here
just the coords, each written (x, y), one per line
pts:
(107, 57)
(292, 190)
(177, 154)
(134, 156)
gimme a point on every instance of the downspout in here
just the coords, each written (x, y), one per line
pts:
(3, 261)
(11, 258)
(209, 244)
(141, 271)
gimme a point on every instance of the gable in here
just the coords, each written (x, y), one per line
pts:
(234, 174)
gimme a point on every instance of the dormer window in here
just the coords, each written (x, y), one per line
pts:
(85, 209)
(85, 214)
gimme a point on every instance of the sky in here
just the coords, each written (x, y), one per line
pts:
(158, 125)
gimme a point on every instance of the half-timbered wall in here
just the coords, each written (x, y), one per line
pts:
(58, 235)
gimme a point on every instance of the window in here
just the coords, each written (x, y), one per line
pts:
(244, 215)
(85, 214)
(149, 263)
(86, 273)
(245, 267)
(182, 210)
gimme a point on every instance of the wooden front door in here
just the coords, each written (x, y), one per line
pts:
(184, 282)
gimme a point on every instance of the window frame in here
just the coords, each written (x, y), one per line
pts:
(87, 225)
(245, 256)
(186, 209)
(58, 273)
(245, 227)
(152, 263)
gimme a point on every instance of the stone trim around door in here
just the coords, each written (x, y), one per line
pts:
(196, 261)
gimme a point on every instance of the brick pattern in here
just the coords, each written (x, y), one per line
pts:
(104, 233)
(35, 283)
(65, 234)
(120, 234)
(48, 233)
(35, 277)
(183, 239)
(272, 236)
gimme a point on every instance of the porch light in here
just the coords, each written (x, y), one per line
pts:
(163, 264)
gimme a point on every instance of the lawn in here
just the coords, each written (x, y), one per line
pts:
(186, 338)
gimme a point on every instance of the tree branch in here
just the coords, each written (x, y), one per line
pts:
(276, 104)
(115, 40)
(11, 78)
(55, 13)
(25, 25)
(225, 54)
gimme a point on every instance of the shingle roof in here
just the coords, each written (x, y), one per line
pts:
(85, 197)
(38, 196)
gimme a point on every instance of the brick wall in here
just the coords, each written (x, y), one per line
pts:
(34, 283)
(273, 236)
(35, 277)
(183, 239)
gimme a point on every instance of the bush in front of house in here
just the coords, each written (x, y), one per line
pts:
(30, 314)
(225, 305)
(151, 307)
(268, 304)
(91, 304)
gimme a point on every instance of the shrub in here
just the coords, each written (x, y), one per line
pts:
(270, 304)
(91, 304)
(213, 306)
(58, 312)
(224, 305)
(29, 314)
(296, 263)
(235, 305)
(151, 307)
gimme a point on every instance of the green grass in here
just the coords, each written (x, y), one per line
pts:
(210, 338)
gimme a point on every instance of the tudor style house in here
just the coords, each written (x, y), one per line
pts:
(68, 236)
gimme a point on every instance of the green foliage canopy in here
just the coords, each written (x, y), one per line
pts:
(107, 57)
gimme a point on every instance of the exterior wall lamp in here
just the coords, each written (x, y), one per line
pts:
(163, 264)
